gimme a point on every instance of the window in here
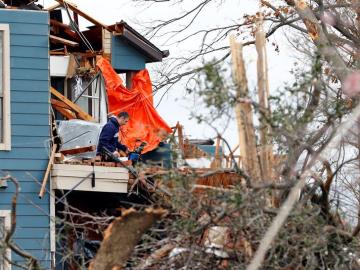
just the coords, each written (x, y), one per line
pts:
(4, 225)
(5, 137)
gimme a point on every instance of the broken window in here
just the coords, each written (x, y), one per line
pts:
(4, 88)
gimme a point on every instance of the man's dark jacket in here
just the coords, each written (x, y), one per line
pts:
(109, 137)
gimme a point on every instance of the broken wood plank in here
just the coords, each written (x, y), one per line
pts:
(193, 151)
(59, 158)
(66, 28)
(82, 13)
(64, 41)
(55, 6)
(65, 112)
(181, 138)
(218, 160)
(59, 103)
(156, 256)
(46, 176)
(77, 109)
(78, 150)
(63, 109)
(57, 52)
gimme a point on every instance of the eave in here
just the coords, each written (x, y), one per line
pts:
(130, 35)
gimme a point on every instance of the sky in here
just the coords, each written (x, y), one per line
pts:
(176, 105)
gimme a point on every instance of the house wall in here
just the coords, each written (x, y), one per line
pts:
(30, 129)
(125, 57)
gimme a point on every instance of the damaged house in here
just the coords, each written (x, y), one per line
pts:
(48, 75)
(59, 83)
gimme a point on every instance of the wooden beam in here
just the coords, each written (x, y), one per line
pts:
(181, 138)
(217, 153)
(46, 176)
(82, 14)
(64, 41)
(77, 109)
(79, 150)
(63, 109)
(55, 6)
(66, 28)
(65, 112)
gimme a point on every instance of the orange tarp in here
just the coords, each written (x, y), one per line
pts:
(145, 124)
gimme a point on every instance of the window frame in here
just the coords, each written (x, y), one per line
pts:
(6, 144)
(6, 214)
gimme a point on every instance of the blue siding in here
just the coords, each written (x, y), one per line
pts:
(29, 63)
(30, 130)
(29, 52)
(24, 85)
(30, 108)
(210, 149)
(125, 57)
(39, 142)
(21, 118)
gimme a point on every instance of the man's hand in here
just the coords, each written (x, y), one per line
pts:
(116, 154)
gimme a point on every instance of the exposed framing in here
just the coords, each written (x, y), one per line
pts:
(6, 144)
(7, 215)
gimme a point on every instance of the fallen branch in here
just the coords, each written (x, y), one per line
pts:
(121, 237)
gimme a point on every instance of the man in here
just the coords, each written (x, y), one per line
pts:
(109, 136)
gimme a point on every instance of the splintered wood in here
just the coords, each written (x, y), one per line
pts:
(244, 114)
(266, 149)
(218, 179)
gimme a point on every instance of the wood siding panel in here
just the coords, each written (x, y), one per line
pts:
(29, 29)
(26, 198)
(28, 158)
(34, 74)
(30, 108)
(26, 96)
(29, 153)
(125, 57)
(29, 210)
(29, 63)
(42, 254)
(30, 130)
(22, 119)
(14, 164)
(31, 233)
(28, 40)
(42, 86)
(39, 142)
(32, 17)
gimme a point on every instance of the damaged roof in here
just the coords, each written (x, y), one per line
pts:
(68, 35)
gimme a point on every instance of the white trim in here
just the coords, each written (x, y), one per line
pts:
(7, 215)
(52, 224)
(6, 145)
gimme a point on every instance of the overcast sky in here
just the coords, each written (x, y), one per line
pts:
(175, 106)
